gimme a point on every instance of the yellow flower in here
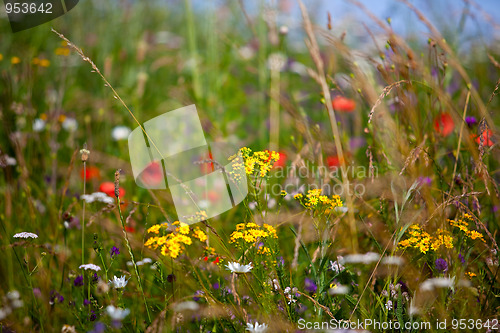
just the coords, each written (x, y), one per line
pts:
(263, 250)
(236, 235)
(240, 226)
(184, 228)
(475, 235)
(270, 230)
(1, 57)
(197, 233)
(252, 225)
(470, 275)
(154, 229)
(44, 63)
(64, 51)
(15, 60)
(298, 196)
(248, 237)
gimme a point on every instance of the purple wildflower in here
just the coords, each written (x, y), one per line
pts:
(99, 328)
(86, 302)
(55, 297)
(216, 285)
(280, 261)
(78, 281)
(197, 295)
(114, 252)
(310, 286)
(462, 259)
(37, 292)
(471, 121)
(171, 278)
(92, 315)
(424, 181)
(441, 265)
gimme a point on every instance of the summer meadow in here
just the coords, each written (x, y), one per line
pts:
(251, 166)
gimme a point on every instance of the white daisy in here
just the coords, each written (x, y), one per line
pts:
(10, 160)
(120, 133)
(256, 327)
(237, 268)
(25, 235)
(117, 313)
(91, 267)
(393, 260)
(99, 197)
(366, 258)
(440, 282)
(38, 125)
(338, 289)
(119, 282)
(70, 124)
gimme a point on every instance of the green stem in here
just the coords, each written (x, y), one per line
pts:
(132, 257)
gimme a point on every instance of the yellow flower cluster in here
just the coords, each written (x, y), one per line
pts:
(258, 162)
(314, 199)
(419, 239)
(64, 50)
(174, 243)
(463, 225)
(41, 62)
(251, 232)
(442, 238)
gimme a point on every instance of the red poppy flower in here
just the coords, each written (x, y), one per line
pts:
(109, 189)
(333, 161)
(216, 261)
(91, 172)
(206, 258)
(343, 104)
(212, 196)
(152, 175)
(281, 162)
(129, 229)
(206, 167)
(487, 135)
(444, 124)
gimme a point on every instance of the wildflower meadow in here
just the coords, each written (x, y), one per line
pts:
(358, 190)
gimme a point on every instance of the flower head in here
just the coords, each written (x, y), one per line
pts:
(78, 282)
(310, 286)
(25, 234)
(256, 327)
(343, 104)
(114, 251)
(471, 121)
(109, 189)
(485, 137)
(237, 268)
(97, 197)
(441, 265)
(118, 282)
(117, 314)
(444, 124)
(91, 267)
(120, 133)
